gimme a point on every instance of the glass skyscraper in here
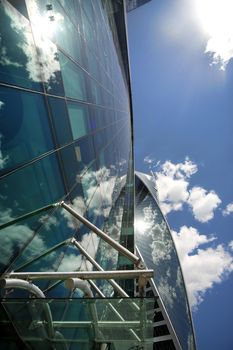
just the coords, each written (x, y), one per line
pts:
(66, 152)
(172, 323)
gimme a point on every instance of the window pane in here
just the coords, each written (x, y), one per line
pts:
(73, 79)
(60, 120)
(30, 188)
(25, 131)
(78, 119)
(19, 63)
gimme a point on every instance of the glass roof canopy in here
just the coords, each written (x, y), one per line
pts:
(83, 323)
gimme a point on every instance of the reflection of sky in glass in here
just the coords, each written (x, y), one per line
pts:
(34, 51)
(154, 242)
(53, 144)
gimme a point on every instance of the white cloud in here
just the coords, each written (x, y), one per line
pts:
(228, 210)
(230, 245)
(203, 203)
(172, 184)
(202, 268)
(216, 20)
(149, 160)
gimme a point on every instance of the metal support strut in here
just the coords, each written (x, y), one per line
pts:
(128, 254)
(118, 274)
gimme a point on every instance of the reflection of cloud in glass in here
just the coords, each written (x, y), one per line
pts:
(90, 243)
(79, 206)
(167, 291)
(104, 194)
(14, 237)
(161, 245)
(42, 62)
(1, 104)
(3, 160)
(75, 261)
(70, 262)
(48, 221)
(5, 59)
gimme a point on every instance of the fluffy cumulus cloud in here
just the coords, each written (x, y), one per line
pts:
(203, 203)
(228, 210)
(202, 267)
(173, 184)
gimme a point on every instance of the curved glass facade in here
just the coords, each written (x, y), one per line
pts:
(66, 134)
(65, 127)
(154, 241)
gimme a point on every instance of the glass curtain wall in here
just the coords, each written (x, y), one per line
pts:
(65, 134)
(154, 241)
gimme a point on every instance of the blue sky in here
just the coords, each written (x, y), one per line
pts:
(182, 82)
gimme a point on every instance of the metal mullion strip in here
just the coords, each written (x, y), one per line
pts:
(53, 151)
(21, 88)
(83, 69)
(94, 54)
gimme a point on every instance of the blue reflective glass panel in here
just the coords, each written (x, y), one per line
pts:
(60, 119)
(78, 115)
(25, 131)
(73, 78)
(19, 64)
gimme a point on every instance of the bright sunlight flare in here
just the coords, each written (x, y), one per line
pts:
(215, 17)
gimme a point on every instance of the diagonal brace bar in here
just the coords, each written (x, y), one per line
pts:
(132, 257)
(98, 267)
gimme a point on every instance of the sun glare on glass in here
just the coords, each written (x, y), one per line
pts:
(140, 226)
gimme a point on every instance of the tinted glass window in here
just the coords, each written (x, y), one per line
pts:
(73, 78)
(25, 130)
(78, 115)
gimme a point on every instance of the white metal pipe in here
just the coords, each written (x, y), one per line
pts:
(101, 324)
(84, 286)
(132, 257)
(104, 275)
(7, 283)
(114, 284)
(94, 286)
